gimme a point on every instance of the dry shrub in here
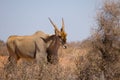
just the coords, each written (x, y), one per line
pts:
(102, 60)
(107, 39)
(3, 49)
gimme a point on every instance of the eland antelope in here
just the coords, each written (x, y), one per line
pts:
(44, 45)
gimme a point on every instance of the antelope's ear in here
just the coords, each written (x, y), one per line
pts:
(45, 40)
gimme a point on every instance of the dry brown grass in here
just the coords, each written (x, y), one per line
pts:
(64, 70)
